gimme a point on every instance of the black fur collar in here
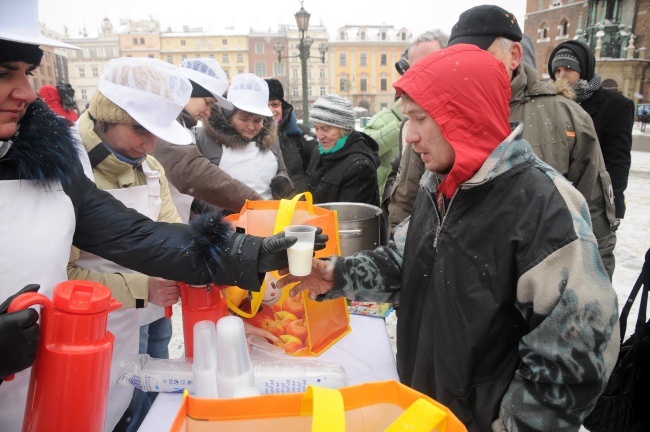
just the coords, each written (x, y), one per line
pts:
(220, 130)
(44, 148)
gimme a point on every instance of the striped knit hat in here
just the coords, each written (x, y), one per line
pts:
(566, 57)
(333, 110)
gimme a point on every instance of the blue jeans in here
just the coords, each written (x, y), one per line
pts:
(154, 340)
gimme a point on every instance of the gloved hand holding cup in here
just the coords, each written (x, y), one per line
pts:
(301, 253)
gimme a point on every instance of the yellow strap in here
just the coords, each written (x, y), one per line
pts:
(326, 407)
(288, 207)
(421, 416)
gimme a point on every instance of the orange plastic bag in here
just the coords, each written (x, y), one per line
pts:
(371, 407)
(306, 327)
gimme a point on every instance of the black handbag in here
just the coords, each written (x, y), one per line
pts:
(624, 406)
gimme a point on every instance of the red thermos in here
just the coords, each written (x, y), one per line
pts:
(68, 388)
(200, 304)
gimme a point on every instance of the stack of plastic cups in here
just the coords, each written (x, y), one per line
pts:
(205, 360)
(234, 367)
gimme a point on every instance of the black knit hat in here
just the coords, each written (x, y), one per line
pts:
(15, 51)
(276, 92)
(581, 52)
(481, 25)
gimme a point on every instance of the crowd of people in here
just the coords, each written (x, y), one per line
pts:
(501, 194)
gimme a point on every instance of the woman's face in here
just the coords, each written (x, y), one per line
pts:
(16, 93)
(276, 108)
(132, 141)
(199, 107)
(247, 124)
(327, 135)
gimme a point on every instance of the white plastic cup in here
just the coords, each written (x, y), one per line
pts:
(301, 253)
(234, 367)
(205, 363)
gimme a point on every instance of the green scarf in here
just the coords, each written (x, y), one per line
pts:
(340, 143)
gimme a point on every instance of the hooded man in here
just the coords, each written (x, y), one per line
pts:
(506, 311)
(612, 113)
(559, 131)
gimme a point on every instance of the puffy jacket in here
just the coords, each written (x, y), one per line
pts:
(348, 175)
(384, 128)
(193, 174)
(506, 316)
(562, 134)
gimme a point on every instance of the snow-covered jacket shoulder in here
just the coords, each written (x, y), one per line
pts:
(507, 315)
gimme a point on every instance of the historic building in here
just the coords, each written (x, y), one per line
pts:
(362, 64)
(139, 38)
(616, 30)
(263, 60)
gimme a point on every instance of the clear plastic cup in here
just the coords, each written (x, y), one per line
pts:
(301, 253)
(205, 363)
(234, 367)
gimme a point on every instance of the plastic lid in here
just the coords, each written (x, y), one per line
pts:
(82, 297)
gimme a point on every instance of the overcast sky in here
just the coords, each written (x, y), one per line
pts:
(416, 15)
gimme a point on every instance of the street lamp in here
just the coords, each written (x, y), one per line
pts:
(302, 19)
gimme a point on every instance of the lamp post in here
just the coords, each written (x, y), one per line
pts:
(304, 45)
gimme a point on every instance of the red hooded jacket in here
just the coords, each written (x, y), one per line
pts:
(467, 93)
(51, 96)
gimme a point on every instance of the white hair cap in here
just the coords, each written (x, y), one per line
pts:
(151, 91)
(248, 92)
(207, 73)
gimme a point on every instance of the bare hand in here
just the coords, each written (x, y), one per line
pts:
(250, 329)
(163, 292)
(320, 281)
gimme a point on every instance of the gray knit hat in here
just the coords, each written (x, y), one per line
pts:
(567, 58)
(333, 110)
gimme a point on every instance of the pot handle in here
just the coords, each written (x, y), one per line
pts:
(351, 233)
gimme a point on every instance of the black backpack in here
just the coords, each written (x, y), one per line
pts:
(625, 403)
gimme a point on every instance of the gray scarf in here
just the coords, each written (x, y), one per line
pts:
(584, 89)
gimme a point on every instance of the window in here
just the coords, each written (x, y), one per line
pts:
(294, 73)
(557, 3)
(362, 36)
(363, 60)
(363, 84)
(384, 59)
(259, 48)
(342, 84)
(211, 56)
(383, 35)
(95, 72)
(240, 71)
(403, 36)
(141, 41)
(342, 35)
(279, 69)
(384, 84)
(82, 72)
(135, 41)
(294, 92)
(182, 42)
(224, 41)
(225, 58)
(543, 31)
(309, 91)
(84, 94)
(150, 56)
(170, 59)
(227, 73)
(343, 59)
(260, 69)
(383, 105)
(323, 92)
(183, 57)
(240, 57)
(322, 73)
(197, 56)
(564, 28)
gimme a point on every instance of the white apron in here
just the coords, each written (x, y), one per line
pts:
(251, 166)
(183, 203)
(36, 230)
(125, 323)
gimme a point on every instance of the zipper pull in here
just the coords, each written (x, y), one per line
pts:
(435, 240)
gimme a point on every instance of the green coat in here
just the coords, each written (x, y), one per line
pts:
(562, 134)
(384, 128)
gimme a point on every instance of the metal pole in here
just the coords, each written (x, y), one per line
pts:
(304, 54)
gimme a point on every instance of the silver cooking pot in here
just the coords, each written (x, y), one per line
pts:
(359, 226)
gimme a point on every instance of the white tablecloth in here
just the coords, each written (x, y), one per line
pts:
(365, 353)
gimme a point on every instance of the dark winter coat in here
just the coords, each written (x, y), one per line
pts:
(348, 175)
(613, 116)
(507, 315)
(295, 149)
(45, 151)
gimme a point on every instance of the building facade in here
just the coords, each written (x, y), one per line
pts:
(362, 64)
(265, 62)
(139, 38)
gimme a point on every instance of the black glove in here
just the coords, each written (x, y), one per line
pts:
(273, 253)
(18, 336)
(281, 187)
